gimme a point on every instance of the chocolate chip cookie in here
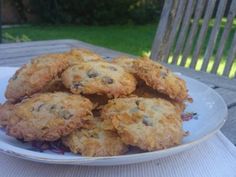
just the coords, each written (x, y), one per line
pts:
(35, 75)
(100, 78)
(95, 141)
(148, 123)
(161, 79)
(76, 56)
(147, 92)
(49, 116)
(125, 62)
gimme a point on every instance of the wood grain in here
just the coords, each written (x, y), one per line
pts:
(229, 129)
(203, 32)
(231, 57)
(162, 31)
(174, 30)
(183, 31)
(224, 37)
(214, 33)
(193, 31)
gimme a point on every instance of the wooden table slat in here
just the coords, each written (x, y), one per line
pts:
(228, 95)
(30, 48)
(36, 44)
(32, 51)
(105, 52)
(229, 128)
(213, 79)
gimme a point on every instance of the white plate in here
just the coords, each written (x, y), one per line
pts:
(210, 107)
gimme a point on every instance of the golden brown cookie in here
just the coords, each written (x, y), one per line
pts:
(35, 75)
(147, 92)
(125, 62)
(5, 113)
(76, 56)
(49, 116)
(55, 85)
(95, 141)
(148, 123)
(97, 100)
(100, 78)
(161, 79)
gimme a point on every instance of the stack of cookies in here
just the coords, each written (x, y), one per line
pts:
(96, 107)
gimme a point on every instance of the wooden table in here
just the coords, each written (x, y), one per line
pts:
(16, 54)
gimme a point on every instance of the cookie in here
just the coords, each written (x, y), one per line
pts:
(76, 56)
(147, 92)
(161, 79)
(35, 75)
(101, 78)
(5, 113)
(148, 123)
(97, 100)
(55, 85)
(125, 62)
(49, 116)
(95, 141)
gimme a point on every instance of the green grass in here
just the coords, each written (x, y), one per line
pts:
(131, 39)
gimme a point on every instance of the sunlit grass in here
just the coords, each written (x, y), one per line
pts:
(199, 63)
(212, 22)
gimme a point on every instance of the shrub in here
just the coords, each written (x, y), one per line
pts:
(92, 11)
(146, 11)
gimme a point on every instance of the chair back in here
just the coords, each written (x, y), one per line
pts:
(199, 34)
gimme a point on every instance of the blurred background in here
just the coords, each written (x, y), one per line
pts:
(115, 24)
(124, 25)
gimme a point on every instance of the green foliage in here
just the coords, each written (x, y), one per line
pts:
(99, 12)
(49, 11)
(146, 11)
(18, 38)
(92, 12)
(21, 9)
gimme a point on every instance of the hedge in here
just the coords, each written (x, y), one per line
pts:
(90, 12)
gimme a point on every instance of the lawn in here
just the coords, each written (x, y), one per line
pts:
(131, 39)
(128, 38)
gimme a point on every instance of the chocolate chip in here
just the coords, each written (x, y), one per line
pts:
(106, 57)
(65, 114)
(107, 80)
(91, 73)
(112, 68)
(53, 107)
(77, 85)
(39, 107)
(137, 102)
(61, 107)
(146, 121)
(95, 135)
